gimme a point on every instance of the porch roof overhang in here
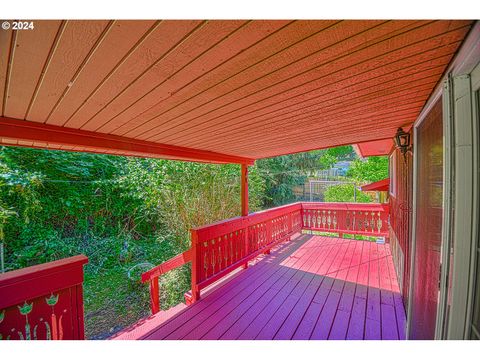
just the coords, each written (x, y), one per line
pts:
(374, 148)
(381, 185)
(218, 91)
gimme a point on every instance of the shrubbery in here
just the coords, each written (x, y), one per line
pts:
(125, 214)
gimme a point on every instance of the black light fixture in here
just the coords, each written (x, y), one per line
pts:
(402, 140)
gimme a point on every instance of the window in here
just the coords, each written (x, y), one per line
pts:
(475, 325)
(391, 172)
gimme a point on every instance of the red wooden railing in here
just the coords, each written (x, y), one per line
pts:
(43, 301)
(152, 275)
(220, 248)
(345, 218)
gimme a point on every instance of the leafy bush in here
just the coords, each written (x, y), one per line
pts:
(374, 168)
(345, 193)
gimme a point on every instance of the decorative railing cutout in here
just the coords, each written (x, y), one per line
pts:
(43, 302)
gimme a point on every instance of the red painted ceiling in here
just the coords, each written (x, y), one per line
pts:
(245, 89)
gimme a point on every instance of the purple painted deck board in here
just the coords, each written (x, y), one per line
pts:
(342, 317)
(325, 320)
(400, 316)
(276, 321)
(193, 327)
(283, 284)
(340, 325)
(227, 292)
(259, 299)
(313, 287)
(241, 324)
(389, 323)
(356, 326)
(290, 324)
(373, 330)
(222, 319)
(279, 318)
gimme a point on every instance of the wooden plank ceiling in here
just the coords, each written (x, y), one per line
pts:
(239, 89)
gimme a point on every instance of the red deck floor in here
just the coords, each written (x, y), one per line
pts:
(310, 288)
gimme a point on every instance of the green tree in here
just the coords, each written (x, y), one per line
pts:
(282, 173)
(374, 168)
(361, 171)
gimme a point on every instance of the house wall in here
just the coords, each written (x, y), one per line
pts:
(400, 199)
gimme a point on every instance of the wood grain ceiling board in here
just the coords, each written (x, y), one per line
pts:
(293, 33)
(77, 41)
(199, 42)
(122, 36)
(358, 106)
(370, 87)
(249, 89)
(6, 42)
(259, 109)
(230, 47)
(148, 52)
(335, 88)
(290, 61)
(30, 54)
(284, 37)
(358, 62)
(277, 73)
(348, 121)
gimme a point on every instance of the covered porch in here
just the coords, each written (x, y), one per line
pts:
(233, 92)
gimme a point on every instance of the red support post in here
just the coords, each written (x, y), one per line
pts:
(244, 201)
(195, 268)
(244, 190)
(154, 296)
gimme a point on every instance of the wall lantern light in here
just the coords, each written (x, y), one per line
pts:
(402, 140)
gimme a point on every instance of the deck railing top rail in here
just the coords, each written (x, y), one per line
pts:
(223, 227)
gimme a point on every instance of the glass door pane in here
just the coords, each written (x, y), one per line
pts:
(428, 228)
(475, 325)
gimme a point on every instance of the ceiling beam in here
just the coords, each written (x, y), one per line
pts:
(22, 130)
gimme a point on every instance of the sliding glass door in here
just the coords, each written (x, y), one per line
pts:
(429, 149)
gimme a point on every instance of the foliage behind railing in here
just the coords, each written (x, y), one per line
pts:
(43, 301)
(220, 248)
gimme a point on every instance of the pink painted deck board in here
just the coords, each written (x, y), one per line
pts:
(280, 316)
(217, 299)
(288, 328)
(282, 285)
(342, 317)
(311, 288)
(326, 252)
